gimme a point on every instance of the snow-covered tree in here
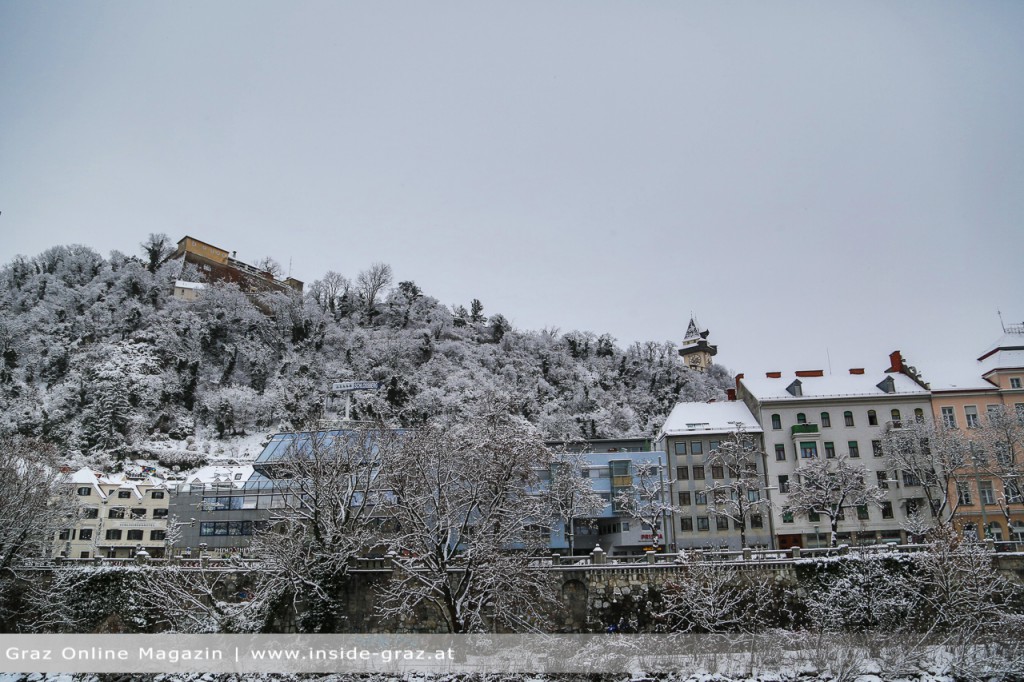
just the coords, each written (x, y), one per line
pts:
(570, 495)
(711, 597)
(330, 516)
(466, 521)
(646, 498)
(741, 495)
(830, 486)
(191, 600)
(934, 454)
(999, 452)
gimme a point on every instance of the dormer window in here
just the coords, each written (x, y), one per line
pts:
(887, 385)
(796, 388)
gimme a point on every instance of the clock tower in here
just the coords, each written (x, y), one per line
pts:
(696, 350)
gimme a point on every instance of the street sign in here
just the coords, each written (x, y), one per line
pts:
(346, 386)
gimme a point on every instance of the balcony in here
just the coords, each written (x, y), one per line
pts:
(803, 429)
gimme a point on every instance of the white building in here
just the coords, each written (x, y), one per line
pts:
(810, 414)
(117, 515)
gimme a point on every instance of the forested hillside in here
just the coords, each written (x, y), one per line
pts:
(97, 356)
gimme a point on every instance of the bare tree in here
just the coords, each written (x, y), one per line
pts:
(329, 488)
(466, 524)
(999, 452)
(570, 495)
(158, 249)
(935, 455)
(828, 487)
(370, 283)
(192, 600)
(741, 496)
(268, 264)
(646, 497)
(714, 597)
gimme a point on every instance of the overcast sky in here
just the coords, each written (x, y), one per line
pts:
(811, 179)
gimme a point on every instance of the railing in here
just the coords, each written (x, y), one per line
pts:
(803, 428)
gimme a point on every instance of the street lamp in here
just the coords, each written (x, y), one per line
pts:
(817, 537)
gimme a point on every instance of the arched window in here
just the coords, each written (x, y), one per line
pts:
(919, 415)
(776, 422)
(872, 418)
(825, 419)
(895, 417)
(801, 418)
(848, 416)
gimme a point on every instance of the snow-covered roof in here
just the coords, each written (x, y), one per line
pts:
(105, 484)
(1006, 352)
(219, 473)
(830, 386)
(718, 417)
(183, 284)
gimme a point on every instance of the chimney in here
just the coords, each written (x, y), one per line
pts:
(773, 375)
(810, 373)
(895, 362)
(738, 377)
(856, 370)
(730, 394)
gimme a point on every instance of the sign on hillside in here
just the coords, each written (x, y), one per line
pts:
(346, 386)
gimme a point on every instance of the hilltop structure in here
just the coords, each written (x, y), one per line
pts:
(218, 265)
(696, 350)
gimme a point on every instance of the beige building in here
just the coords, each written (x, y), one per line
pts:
(118, 514)
(987, 508)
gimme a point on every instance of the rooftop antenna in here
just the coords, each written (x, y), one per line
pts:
(1001, 323)
(829, 357)
(289, 266)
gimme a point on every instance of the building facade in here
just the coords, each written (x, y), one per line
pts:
(219, 265)
(810, 414)
(691, 437)
(118, 515)
(991, 503)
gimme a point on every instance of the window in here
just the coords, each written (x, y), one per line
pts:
(124, 494)
(876, 448)
(887, 510)
(208, 528)
(783, 484)
(971, 413)
(135, 535)
(684, 498)
(801, 418)
(681, 448)
(159, 513)
(780, 452)
(830, 450)
(157, 535)
(963, 493)
(683, 473)
(842, 514)
(696, 447)
(776, 422)
(138, 513)
(85, 534)
(717, 472)
(919, 415)
(713, 445)
(90, 513)
(753, 495)
(808, 450)
(157, 494)
(84, 491)
(686, 523)
(848, 417)
(1013, 493)
(700, 497)
(721, 523)
(756, 521)
(116, 513)
(826, 420)
(65, 534)
(910, 479)
(872, 418)
(896, 420)
(813, 516)
(883, 479)
(854, 449)
(948, 418)
(114, 534)
(698, 472)
(986, 493)
(787, 517)
(702, 523)
(862, 512)
(1014, 382)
